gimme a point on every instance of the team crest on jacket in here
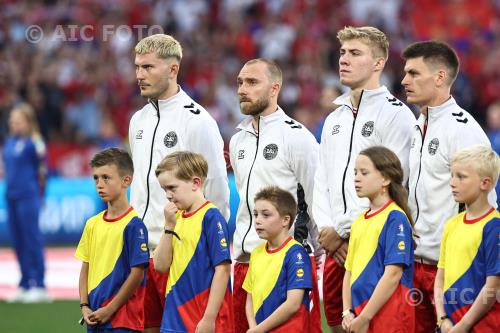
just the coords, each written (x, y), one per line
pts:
(170, 139)
(367, 129)
(270, 151)
(433, 146)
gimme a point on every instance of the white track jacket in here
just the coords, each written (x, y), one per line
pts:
(381, 119)
(449, 129)
(284, 153)
(161, 128)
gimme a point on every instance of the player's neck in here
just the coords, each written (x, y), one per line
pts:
(275, 242)
(199, 200)
(356, 92)
(118, 207)
(477, 208)
(272, 107)
(379, 201)
(439, 99)
(173, 88)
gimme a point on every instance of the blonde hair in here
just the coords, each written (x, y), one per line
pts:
(484, 160)
(165, 46)
(373, 37)
(27, 111)
(185, 165)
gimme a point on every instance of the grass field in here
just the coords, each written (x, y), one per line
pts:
(57, 317)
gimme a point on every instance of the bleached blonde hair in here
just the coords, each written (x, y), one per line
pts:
(165, 46)
(484, 160)
(371, 36)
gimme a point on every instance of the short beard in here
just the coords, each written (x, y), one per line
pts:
(256, 108)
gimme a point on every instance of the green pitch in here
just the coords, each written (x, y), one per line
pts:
(57, 317)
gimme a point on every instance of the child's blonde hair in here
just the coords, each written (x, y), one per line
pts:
(371, 36)
(282, 200)
(484, 160)
(165, 46)
(185, 165)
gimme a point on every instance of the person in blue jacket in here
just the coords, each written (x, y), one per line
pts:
(24, 160)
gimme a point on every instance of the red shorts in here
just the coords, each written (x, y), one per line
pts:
(423, 284)
(239, 298)
(333, 277)
(315, 311)
(154, 300)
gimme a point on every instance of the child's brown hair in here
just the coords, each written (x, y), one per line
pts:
(282, 200)
(114, 156)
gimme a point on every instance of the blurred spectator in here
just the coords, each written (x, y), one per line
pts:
(493, 124)
(25, 173)
(328, 95)
(81, 68)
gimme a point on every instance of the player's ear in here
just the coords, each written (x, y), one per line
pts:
(386, 182)
(127, 180)
(197, 183)
(174, 69)
(379, 64)
(286, 221)
(441, 78)
(486, 184)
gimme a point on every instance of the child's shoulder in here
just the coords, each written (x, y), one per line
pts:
(296, 248)
(213, 213)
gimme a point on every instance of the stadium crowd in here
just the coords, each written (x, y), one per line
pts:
(81, 80)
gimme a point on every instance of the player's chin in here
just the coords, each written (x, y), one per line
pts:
(261, 233)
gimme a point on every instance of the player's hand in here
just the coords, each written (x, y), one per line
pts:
(330, 240)
(86, 312)
(346, 321)
(254, 330)
(169, 212)
(101, 315)
(341, 254)
(205, 326)
(317, 259)
(446, 326)
(359, 324)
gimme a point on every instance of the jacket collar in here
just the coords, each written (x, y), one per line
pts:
(166, 105)
(246, 124)
(436, 111)
(367, 96)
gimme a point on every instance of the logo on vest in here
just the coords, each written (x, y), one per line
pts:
(170, 139)
(433, 146)
(270, 151)
(367, 129)
(241, 154)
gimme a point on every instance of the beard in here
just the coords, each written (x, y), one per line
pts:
(255, 108)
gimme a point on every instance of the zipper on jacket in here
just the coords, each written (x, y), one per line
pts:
(248, 186)
(350, 151)
(422, 135)
(157, 108)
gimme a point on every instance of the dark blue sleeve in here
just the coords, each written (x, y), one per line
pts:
(398, 240)
(491, 244)
(215, 231)
(298, 268)
(136, 242)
